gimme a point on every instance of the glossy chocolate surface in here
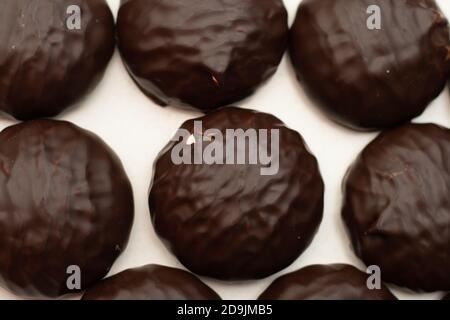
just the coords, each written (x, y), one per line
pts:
(371, 79)
(45, 66)
(325, 282)
(228, 221)
(151, 282)
(64, 200)
(397, 206)
(201, 53)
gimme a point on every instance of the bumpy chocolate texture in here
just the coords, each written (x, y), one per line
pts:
(151, 282)
(325, 282)
(371, 79)
(229, 221)
(397, 206)
(45, 66)
(65, 200)
(201, 53)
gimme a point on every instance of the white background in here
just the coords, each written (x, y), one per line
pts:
(137, 130)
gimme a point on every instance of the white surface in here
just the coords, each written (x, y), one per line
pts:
(137, 130)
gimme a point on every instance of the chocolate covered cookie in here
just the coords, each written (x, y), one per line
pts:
(66, 208)
(51, 53)
(236, 195)
(397, 206)
(325, 282)
(371, 64)
(201, 54)
(151, 282)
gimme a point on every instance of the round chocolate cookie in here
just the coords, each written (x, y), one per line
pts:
(371, 64)
(151, 282)
(325, 282)
(66, 208)
(201, 53)
(51, 53)
(226, 216)
(397, 206)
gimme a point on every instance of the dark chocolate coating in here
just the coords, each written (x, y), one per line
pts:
(397, 206)
(151, 282)
(229, 221)
(64, 200)
(201, 53)
(44, 66)
(371, 79)
(325, 282)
